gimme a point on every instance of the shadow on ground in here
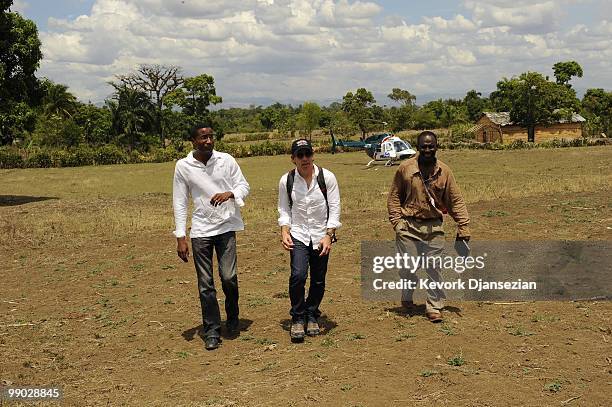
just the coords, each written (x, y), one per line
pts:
(190, 334)
(14, 200)
(325, 324)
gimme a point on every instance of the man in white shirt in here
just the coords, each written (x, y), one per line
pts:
(309, 214)
(218, 189)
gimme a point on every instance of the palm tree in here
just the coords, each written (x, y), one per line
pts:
(58, 101)
(133, 112)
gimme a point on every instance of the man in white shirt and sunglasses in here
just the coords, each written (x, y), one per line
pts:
(309, 214)
(218, 189)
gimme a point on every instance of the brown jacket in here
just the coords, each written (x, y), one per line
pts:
(408, 197)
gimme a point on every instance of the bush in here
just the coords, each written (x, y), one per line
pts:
(459, 132)
(39, 159)
(162, 155)
(10, 158)
(110, 154)
(83, 155)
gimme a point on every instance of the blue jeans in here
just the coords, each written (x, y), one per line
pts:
(225, 246)
(302, 257)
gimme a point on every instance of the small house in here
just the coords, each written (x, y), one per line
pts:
(497, 127)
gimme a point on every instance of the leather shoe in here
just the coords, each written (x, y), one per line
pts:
(297, 331)
(211, 343)
(233, 326)
(434, 316)
(312, 328)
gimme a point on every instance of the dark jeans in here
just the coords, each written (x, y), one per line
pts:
(225, 246)
(301, 257)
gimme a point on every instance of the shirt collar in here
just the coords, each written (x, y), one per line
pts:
(413, 167)
(195, 161)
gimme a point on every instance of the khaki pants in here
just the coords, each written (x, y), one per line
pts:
(422, 237)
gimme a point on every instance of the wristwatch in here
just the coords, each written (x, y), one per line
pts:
(332, 235)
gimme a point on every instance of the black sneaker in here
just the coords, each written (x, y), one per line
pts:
(233, 326)
(212, 342)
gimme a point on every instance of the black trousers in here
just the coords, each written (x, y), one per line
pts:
(302, 257)
(225, 247)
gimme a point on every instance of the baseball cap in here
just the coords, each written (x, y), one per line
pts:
(300, 144)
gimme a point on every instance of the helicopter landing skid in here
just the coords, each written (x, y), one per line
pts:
(370, 163)
(389, 163)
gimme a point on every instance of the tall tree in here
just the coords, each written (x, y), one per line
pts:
(402, 96)
(156, 81)
(535, 100)
(564, 71)
(474, 104)
(57, 100)
(19, 59)
(133, 114)
(310, 116)
(597, 108)
(358, 106)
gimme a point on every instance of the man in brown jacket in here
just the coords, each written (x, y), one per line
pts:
(423, 189)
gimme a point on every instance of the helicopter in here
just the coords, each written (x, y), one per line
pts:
(379, 147)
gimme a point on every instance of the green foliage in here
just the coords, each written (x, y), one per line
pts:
(309, 117)
(110, 154)
(402, 96)
(597, 109)
(57, 101)
(459, 132)
(475, 105)
(19, 59)
(358, 106)
(39, 159)
(10, 158)
(564, 71)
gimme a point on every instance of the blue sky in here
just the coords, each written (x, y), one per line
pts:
(260, 51)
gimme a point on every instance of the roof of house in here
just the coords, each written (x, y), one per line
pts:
(503, 118)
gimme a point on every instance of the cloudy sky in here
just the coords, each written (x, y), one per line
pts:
(261, 51)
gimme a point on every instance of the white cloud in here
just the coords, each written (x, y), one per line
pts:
(295, 50)
(20, 6)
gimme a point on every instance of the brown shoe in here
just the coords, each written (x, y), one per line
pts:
(312, 328)
(297, 331)
(434, 316)
(408, 305)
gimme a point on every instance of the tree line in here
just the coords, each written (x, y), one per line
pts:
(154, 105)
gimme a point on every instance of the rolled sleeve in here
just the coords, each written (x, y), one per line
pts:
(180, 202)
(284, 211)
(456, 207)
(394, 201)
(333, 200)
(240, 186)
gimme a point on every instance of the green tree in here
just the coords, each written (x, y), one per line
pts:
(57, 100)
(358, 106)
(475, 105)
(537, 101)
(157, 82)
(196, 95)
(402, 96)
(310, 116)
(96, 123)
(597, 108)
(133, 115)
(19, 59)
(564, 71)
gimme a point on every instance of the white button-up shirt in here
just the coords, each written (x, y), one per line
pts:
(192, 177)
(308, 215)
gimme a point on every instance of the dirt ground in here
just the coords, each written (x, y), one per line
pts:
(114, 320)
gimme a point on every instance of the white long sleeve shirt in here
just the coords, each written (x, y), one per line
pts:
(308, 215)
(192, 177)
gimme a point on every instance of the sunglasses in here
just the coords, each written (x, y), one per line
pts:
(302, 154)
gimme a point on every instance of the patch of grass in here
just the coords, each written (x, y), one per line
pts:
(138, 267)
(246, 337)
(267, 366)
(168, 267)
(257, 302)
(328, 342)
(520, 331)
(403, 336)
(447, 330)
(284, 294)
(182, 354)
(168, 301)
(545, 318)
(428, 373)
(493, 213)
(456, 360)
(264, 341)
(553, 386)
(356, 337)
(346, 387)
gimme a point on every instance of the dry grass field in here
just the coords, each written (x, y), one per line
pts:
(94, 299)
